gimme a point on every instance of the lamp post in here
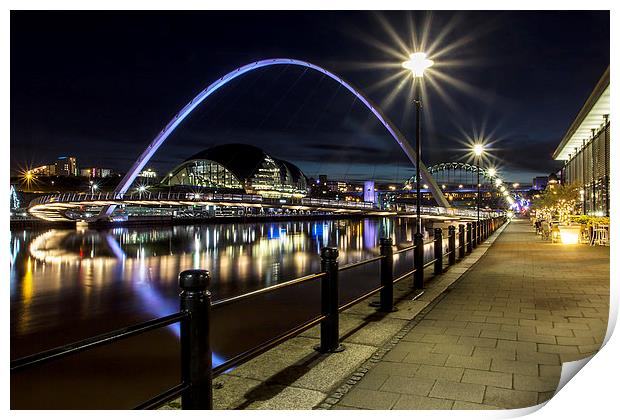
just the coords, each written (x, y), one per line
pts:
(417, 63)
(478, 151)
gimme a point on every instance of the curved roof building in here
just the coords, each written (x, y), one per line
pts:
(239, 167)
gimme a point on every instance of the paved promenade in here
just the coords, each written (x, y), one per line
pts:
(498, 337)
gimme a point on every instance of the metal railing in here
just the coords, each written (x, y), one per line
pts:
(197, 372)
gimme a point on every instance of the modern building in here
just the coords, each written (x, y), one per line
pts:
(585, 150)
(67, 166)
(96, 172)
(239, 168)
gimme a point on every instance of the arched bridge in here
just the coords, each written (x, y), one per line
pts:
(213, 87)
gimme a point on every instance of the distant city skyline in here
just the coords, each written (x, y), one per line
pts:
(79, 89)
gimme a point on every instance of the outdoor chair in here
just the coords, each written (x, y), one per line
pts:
(600, 235)
(546, 231)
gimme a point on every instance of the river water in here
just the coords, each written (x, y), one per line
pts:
(66, 285)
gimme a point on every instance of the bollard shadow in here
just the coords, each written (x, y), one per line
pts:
(277, 383)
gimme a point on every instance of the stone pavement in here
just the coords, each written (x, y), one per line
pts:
(499, 335)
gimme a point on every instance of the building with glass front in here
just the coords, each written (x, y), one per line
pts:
(585, 150)
(239, 168)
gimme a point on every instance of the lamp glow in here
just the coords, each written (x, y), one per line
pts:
(417, 63)
(498, 182)
(478, 149)
(491, 171)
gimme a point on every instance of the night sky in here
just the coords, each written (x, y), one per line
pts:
(101, 85)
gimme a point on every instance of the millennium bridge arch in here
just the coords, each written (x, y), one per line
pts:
(187, 109)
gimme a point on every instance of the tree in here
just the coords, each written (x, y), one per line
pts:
(557, 201)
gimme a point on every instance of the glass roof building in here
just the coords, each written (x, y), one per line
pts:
(239, 168)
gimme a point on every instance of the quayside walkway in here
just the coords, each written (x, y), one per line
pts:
(498, 336)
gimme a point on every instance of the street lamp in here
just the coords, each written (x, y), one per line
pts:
(478, 151)
(417, 63)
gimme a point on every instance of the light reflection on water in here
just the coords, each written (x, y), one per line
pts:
(71, 280)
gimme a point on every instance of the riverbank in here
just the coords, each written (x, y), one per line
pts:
(294, 376)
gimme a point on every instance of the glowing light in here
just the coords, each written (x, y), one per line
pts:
(491, 171)
(425, 186)
(460, 185)
(515, 185)
(498, 182)
(569, 237)
(478, 149)
(417, 63)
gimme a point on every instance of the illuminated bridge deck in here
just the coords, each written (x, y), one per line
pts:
(55, 207)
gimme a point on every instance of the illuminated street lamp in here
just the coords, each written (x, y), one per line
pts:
(492, 172)
(498, 182)
(478, 150)
(417, 63)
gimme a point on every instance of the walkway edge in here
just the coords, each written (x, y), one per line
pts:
(347, 384)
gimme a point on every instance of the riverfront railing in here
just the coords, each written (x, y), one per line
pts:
(197, 372)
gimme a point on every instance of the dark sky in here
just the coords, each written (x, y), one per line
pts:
(101, 85)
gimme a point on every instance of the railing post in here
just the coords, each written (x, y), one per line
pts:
(329, 302)
(461, 241)
(473, 235)
(418, 261)
(195, 345)
(469, 237)
(451, 245)
(438, 266)
(387, 275)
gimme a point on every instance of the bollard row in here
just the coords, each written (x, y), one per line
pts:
(195, 300)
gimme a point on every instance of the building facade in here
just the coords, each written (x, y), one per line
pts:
(67, 166)
(239, 168)
(585, 150)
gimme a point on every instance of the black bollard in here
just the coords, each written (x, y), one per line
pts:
(461, 241)
(195, 345)
(418, 261)
(451, 245)
(438, 248)
(469, 237)
(387, 275)
(329, 302)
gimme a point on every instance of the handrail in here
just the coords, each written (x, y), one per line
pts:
(399, 251)
(96, 341)
(407, 274)
(228, 301)
(159, 400)
(359, 298)
(358, 263)
(255, 351)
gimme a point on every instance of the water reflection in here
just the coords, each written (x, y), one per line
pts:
(71, 281)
